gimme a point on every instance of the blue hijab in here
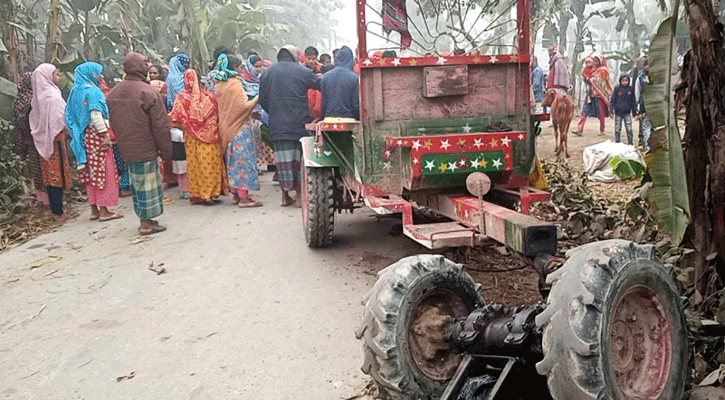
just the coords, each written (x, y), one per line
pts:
(175, 78)
(85, 96)
(250, 79)
(223, 73)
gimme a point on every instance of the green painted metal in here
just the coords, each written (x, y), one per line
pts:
(337, 151)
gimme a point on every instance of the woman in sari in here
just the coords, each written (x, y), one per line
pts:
(236, 130)
(87, 108)
(174, 85)
(195, 113)
(24, 140)
(124, 178)
(602, 88)
(250, 79)
(47, 126)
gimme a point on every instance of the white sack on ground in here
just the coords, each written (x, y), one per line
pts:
(598, 156)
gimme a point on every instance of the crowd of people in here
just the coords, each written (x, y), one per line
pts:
(173, 125)
(602, 99)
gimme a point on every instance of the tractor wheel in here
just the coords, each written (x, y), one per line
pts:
(614, 327)
(402, 331)
(318, 213)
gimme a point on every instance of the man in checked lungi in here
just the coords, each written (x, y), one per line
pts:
(139, 119)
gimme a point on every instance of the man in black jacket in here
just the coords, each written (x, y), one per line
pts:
(283, 94)
(341, 88)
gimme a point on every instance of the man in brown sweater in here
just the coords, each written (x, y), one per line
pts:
(139, 119)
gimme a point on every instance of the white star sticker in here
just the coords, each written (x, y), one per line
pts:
(367, 62)
(334, 126)
(422, 130)
(475, 164)
(415, 161)
(400, 142)
(467, 214)
(430, 165)
(467, 128)
(478, 143)
(396, 62)
(416, 145)
(388, 153)
(388, 166)
(493, 59)
(506, 141)
(445, 145)
(462, 163)
(497, 163)
(453, 166)
(521, 136)
(441, 60)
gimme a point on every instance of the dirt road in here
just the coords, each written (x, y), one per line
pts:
(245, 309)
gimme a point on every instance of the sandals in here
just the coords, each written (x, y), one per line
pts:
(111, 217)
(154, 229)
(578, 133)
(249, 204)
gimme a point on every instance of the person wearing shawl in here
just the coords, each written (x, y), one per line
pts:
(195, 113)
(24, 141)
(250, 80)
(558, 77)
(175, 78)
(87, 108)
(124, 180)
(47, 126)
(283, 94)
(236, 130)
(601, 88)
(591, 103)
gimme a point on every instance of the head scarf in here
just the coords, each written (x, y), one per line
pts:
(175, 78)
(223, 72)
(47, 110)
(289, 53)
(85, 96)
(601, 82)
(196, 110)
(250, 77)
(587, 71)
(21, 110)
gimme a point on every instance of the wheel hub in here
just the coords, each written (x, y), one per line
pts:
(641, 347)
(430, 350)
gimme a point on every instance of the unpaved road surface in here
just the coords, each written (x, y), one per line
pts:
(244, 311)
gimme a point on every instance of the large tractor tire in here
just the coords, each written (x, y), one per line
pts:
(318, 212)
(402, 329)
(614, 327)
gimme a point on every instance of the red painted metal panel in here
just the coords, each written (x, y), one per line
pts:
(443, 60)
(362, 43)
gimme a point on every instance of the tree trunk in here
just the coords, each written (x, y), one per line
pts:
(704, 76)
(53, 43)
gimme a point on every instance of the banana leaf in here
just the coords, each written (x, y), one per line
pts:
(665, 161)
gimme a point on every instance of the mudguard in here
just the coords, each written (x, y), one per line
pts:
(316, 157)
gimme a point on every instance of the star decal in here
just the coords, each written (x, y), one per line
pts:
(400, 142)
(445, 145)
(441, 60)
(413, 62)
(475, 164)
(494, 142)
(477, 59)
(381, 62)
(493, 59)
(478, 143)
(467, 128)
(388, 154)
(514, 57)
(467, 214)
(416, 145)
(396, 62)
(428, 144)
(484, 163)
(367, 62)
(334, 127)
(415, 161)
(462, 143)
(453, 166)
(387, 166)
(443, 167)
(521, 136)
(430, 165)
(497, 163)
(506, 141)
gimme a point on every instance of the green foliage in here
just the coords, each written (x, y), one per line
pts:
(665, 161)
(627, 169)
(12, 183)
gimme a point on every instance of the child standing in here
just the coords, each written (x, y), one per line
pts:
(624, 105)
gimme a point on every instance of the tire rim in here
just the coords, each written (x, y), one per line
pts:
(430, 318)
(640, 345)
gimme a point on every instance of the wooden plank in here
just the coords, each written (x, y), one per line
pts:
(378, 113)
(445, 81)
